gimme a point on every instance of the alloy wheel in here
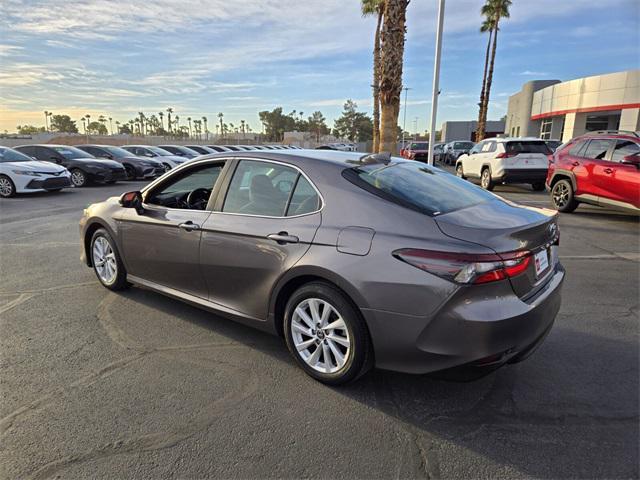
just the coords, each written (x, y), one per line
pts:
(104, 260)
(78, 178)
(320, 335)
(6, 188)
(459, 172)
(560, 194)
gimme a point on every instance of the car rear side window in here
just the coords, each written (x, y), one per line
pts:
(577, 150)
(624, 148)
(523, 146)
(304, 199)
(417, 186)
(597, 149)
(260, 188)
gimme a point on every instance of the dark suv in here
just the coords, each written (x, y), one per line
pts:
(599, 168)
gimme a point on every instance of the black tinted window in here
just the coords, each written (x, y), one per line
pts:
(624, 148)
(597, 149)
(527, 147)
(304, 199)
(417, 186)
(259, 188)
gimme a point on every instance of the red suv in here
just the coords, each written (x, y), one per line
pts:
(600, 168)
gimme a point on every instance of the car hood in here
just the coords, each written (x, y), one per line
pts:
(36, 166)
(101, 161)
(501, 225)
(134, 158)
(173, 158)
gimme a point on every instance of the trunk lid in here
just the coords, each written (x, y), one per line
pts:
(504, 226)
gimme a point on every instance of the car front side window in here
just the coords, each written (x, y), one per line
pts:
(597, 149)
(624, 148)
(189, 190)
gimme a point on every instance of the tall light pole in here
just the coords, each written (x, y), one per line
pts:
(436, 81)
(404, 121)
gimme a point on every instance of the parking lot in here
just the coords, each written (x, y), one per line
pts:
(97, 384)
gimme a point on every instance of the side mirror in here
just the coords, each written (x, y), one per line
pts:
(132, 200)
(631, 160)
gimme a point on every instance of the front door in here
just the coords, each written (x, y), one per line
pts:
(162, 245)
(267, 222)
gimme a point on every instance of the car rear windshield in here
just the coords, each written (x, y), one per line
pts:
(417, 186)
(72, 152)
(117, 151)
(419, 146)
(524, 146)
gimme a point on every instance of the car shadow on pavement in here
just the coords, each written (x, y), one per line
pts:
(570, 410)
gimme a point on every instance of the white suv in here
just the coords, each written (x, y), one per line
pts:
(506, 160)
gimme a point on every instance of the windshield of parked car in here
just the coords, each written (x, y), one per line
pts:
(417, 186)
(11, 155)
(524, 146)
(117, 151)
(419, 146)
(72, 152)
(463, 145)
(160, 151)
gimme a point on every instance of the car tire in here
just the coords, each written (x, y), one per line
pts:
(130, 171)
(562, 196)
(7, 188)
(538, 186)
(460, 171)
(485, 179)
(106, 261)
(79, 178)
(343, 360)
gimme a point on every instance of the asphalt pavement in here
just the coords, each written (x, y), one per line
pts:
(96, 384)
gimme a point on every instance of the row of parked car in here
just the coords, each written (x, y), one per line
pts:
(47, 167)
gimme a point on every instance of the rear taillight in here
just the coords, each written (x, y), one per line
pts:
(467, 268)
(506, 155)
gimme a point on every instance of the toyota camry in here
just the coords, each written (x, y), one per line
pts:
(355, 260)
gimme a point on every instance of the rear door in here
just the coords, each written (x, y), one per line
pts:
(261, 226)
(623, 179)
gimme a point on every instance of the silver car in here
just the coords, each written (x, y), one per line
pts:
(356, 261)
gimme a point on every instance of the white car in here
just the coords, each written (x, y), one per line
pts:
(506, 160)
(22, 174)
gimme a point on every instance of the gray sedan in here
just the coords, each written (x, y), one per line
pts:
(356, 261)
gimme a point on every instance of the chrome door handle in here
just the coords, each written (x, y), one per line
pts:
(283, 237)
(608, 170)
(189, 226)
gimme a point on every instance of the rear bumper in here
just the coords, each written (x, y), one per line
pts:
(521, 175)
(471, 326)
(52, 183)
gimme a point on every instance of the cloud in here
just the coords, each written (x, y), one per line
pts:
(531, 73)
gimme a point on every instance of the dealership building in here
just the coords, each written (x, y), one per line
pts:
(552, 109)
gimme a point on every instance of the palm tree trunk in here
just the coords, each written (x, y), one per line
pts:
(376, 84)
(484, 86)
(485, 108)
(391, 58)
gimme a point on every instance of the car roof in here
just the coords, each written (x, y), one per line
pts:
(619, 135)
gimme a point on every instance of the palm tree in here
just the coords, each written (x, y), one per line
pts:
(169, 112)
(84, 124)
(111, 125)
(161, 115)
(391, 57)
(117, 126)
(220, 116)
(206, 132)
(46, 123)
(189, 122)
(375, 7)
(493, 11)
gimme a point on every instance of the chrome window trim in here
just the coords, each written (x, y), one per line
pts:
(284, 164)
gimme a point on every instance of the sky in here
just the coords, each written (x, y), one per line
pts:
(238, 57)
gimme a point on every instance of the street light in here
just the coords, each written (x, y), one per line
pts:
(436, 80)
(404, 121)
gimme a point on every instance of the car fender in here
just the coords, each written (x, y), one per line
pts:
(311, 272)
(560, 172)
(90, 225)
